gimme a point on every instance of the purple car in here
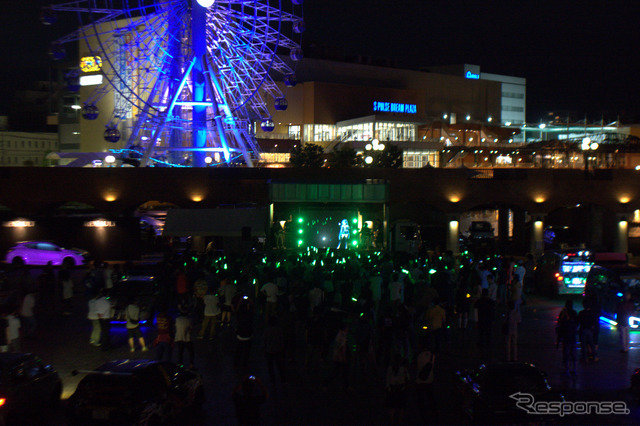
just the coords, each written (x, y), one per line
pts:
(42, 252)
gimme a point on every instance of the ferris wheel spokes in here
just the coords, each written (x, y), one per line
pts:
(160, 103)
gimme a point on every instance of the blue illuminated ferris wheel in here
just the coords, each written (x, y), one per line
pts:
(188, 77)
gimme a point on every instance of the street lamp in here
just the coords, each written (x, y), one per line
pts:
(541, 126)
(110, 160)
(587, 146)
(375, 145)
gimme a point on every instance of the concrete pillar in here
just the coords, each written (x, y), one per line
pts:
(622, 234)
(537, 234)
(519, 231)
(503, 227)
(453, 233)
(269, 241)
(385, 227)
(197, 244)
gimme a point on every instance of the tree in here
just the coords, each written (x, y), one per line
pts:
(390, 157)
(309, 155)
(344, 157)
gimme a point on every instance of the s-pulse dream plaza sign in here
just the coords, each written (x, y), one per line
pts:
(394, 107)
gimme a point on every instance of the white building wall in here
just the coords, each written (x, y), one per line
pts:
(514, 100)
(26, 149)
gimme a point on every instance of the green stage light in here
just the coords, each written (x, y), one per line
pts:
(300, 220)
(355, 243)
(355, 220)
(300, 242)
(300, 231)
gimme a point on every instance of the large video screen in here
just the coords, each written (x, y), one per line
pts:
(323, 229)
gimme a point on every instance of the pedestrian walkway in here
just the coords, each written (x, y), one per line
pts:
(64, 342)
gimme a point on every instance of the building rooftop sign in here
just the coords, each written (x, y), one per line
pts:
(394, 107)
(472, 71)
(90, 63)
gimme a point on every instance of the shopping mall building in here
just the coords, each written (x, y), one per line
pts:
(420, 111)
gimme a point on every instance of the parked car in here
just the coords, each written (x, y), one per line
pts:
(43, 252)
(607, 284)
(479, 239)
(140, 288)
(562, 271)
(486, 394)
(28, 388)
(134, 391)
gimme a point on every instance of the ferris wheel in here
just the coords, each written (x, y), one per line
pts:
(188, 77)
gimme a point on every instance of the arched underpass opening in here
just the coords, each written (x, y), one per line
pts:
(587, 226)
(493, 228)
(151, 217)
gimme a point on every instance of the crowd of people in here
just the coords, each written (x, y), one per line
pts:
(352, 317)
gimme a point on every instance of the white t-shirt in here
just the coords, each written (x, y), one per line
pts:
(67, 289)
(211, 305)
(28, 304)
(228, 291)
(103, 308)
(493, 291)
(396, 290)
(13, 329)
(316, 295)
(93, 309)
(183, 329)
(133, 313)
(271, 291)
(376, 287)
(108, 277)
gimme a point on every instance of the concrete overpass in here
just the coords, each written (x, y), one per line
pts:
(429, 196)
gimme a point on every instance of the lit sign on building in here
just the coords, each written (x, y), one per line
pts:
(394, 107)
(90, 63)
(472, 75)
(90, 80)
(100, 223)
(19, 223)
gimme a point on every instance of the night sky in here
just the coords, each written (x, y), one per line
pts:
(578, 57)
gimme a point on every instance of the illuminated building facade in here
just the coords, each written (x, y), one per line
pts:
(513, 103)
(444, 117)
(338, 103)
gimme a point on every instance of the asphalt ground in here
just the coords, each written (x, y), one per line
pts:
(63, 341)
